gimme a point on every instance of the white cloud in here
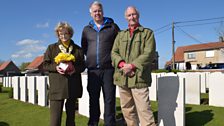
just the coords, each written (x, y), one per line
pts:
(21, 55)
(44, 25)
(28, 42)
(28, 48)
(28, 55)
(34, 48)
(15, 55)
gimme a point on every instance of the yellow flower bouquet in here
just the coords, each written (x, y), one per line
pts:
(64, 57)
(65, 61)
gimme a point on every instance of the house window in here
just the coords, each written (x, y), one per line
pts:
(191, 56)
(209, 54)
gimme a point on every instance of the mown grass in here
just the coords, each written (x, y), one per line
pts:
(17, 113)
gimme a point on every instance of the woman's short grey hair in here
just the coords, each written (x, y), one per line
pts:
(95, 3)
(62, 25)
(125, 13)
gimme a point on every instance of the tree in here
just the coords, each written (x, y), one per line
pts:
(24, 65)
(220, 31)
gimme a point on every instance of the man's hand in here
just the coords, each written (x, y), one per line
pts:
(131, 74)
(127, 70)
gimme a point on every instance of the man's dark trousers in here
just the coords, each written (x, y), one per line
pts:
(97, 79)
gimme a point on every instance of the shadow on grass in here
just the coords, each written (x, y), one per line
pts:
(198, 118)
(155, 113)
(204, 101)
(4, 124)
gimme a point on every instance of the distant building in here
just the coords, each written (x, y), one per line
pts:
(198, 55)
(35, 67)
(8, 68)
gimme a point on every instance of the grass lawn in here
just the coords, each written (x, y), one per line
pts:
(17, 113)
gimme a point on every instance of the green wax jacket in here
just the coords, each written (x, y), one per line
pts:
(138, 50)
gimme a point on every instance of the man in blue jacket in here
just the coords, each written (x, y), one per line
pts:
(97, 41)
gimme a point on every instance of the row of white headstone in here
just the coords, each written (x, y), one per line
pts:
(171, 100)
(195, 84)
(32, 89)
(171, 91)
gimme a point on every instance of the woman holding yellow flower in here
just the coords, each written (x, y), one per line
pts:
(64, 60)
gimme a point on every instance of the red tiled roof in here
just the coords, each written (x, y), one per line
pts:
(205, 46)
(4, 65)
(179, 54)
(35, 63)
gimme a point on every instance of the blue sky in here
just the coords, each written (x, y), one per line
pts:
(27, 26)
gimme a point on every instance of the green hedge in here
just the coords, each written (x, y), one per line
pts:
(10, 93)
(166, 71)
(1, 88)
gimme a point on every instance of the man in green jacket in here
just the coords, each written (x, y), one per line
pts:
(132, 55)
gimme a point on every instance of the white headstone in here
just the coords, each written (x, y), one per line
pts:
(1, 79)
(16, 87)
(192, 87)
(84, 101)
(117, 92)
(31, 85)
(168, 74)
(4, 81)
(171, 102)
(23, 88)
(216, 88)
(203, 82)
(102, 106)
(207, 74)
(153, 88)
(10, 82)
(42, 90)
(7, 82)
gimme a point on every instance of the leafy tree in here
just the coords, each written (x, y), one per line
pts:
(24, 65)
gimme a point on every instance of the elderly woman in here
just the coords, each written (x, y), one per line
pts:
(64, 60)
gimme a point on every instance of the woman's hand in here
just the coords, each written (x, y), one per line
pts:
(61, 71)
(70, 69)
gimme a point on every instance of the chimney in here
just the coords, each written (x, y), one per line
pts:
(221, 39)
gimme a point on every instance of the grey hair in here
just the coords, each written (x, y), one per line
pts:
(65, 25)
(95, 3)
(125, 13)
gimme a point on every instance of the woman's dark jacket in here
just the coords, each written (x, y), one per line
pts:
(97, 43)
(64, 86)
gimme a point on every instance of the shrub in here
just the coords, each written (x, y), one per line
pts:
(10, 93)
(160, 71)
(165, 71)
(1, 88)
